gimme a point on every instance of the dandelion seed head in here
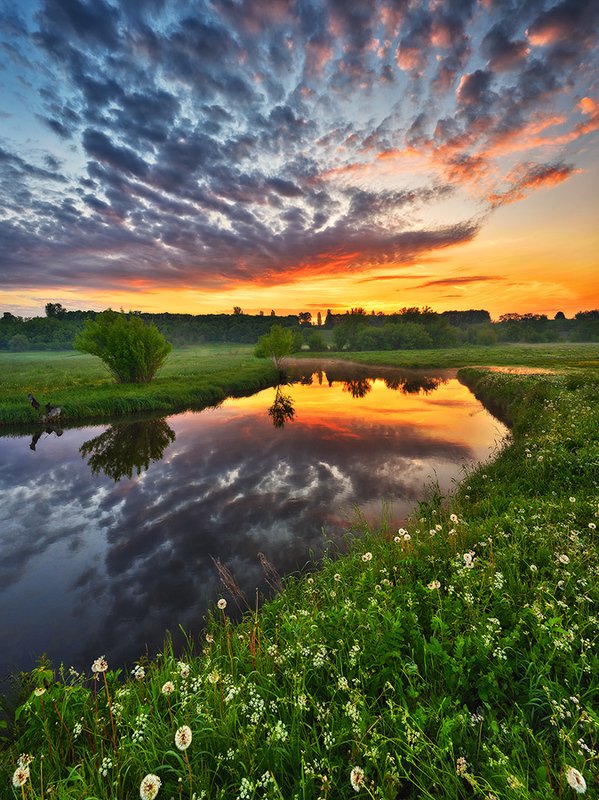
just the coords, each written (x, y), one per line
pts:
(434, 585)
(575, 780)
(183, 737)
(222, 604)
(100, 664)
(20, 776)
(356, 778)
(563, 558)
(168, 688)
(39, 691)
(367, 557)
(149, 787)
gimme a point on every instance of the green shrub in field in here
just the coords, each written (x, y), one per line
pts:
(276, 345)
(132, 350)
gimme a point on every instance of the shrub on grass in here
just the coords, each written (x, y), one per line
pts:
(132, 350)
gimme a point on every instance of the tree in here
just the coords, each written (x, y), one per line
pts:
(237, 310)
(276, 345)
(132, 350)
(56, 310)
(304, 318)
(316, 342)
(18, 343)
(128, 447)
(319, 319)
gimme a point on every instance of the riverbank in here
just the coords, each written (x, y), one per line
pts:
(192, 378)
(552, 356)
(201, 376)
(452, 659)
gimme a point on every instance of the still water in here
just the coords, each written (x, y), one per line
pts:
(108, 534)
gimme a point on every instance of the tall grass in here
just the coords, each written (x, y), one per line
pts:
(455, 658)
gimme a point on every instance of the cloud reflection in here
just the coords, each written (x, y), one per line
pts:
(137, 555)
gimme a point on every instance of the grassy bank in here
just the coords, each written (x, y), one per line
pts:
(454, 659)
(191, 378)
(531, 355)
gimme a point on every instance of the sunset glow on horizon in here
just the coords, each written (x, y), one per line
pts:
(299, 155)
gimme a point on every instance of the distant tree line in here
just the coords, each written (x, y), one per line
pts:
(408, 328)
(413, 328)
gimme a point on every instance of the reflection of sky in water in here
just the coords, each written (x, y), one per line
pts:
(90, 566)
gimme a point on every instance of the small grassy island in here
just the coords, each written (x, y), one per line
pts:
(454, 658)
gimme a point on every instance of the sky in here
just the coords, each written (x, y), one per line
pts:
(299, 155)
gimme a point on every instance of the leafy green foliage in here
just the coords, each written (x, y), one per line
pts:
(132, 350)
(277, 344)
(316, 342)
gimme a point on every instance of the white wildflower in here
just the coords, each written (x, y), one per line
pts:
(356, 778)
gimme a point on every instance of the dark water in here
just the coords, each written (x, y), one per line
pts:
(108, 533)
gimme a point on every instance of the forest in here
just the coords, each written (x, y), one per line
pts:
(356, 329)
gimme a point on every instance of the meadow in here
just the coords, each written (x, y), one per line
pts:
(453, 658)
(196, 377)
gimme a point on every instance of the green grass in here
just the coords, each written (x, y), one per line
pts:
(83, 388)
(535, 355)
(454, 659)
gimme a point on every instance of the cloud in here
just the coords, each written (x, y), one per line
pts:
(526, 178)
(502, 52)
(208, 148)
(458, 281)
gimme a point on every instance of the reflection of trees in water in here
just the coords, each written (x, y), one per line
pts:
(416, 385)
(282, 410)
(130, 446)
(358, 387)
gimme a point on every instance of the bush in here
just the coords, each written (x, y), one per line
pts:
(369, 338)
(316, 342)
(277, 344)
(18, 343)
(132, 350)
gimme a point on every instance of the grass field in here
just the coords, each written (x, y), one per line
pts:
(537, 355)
(83, 388)
(456, 658)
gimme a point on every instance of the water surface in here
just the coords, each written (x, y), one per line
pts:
(108, 533)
